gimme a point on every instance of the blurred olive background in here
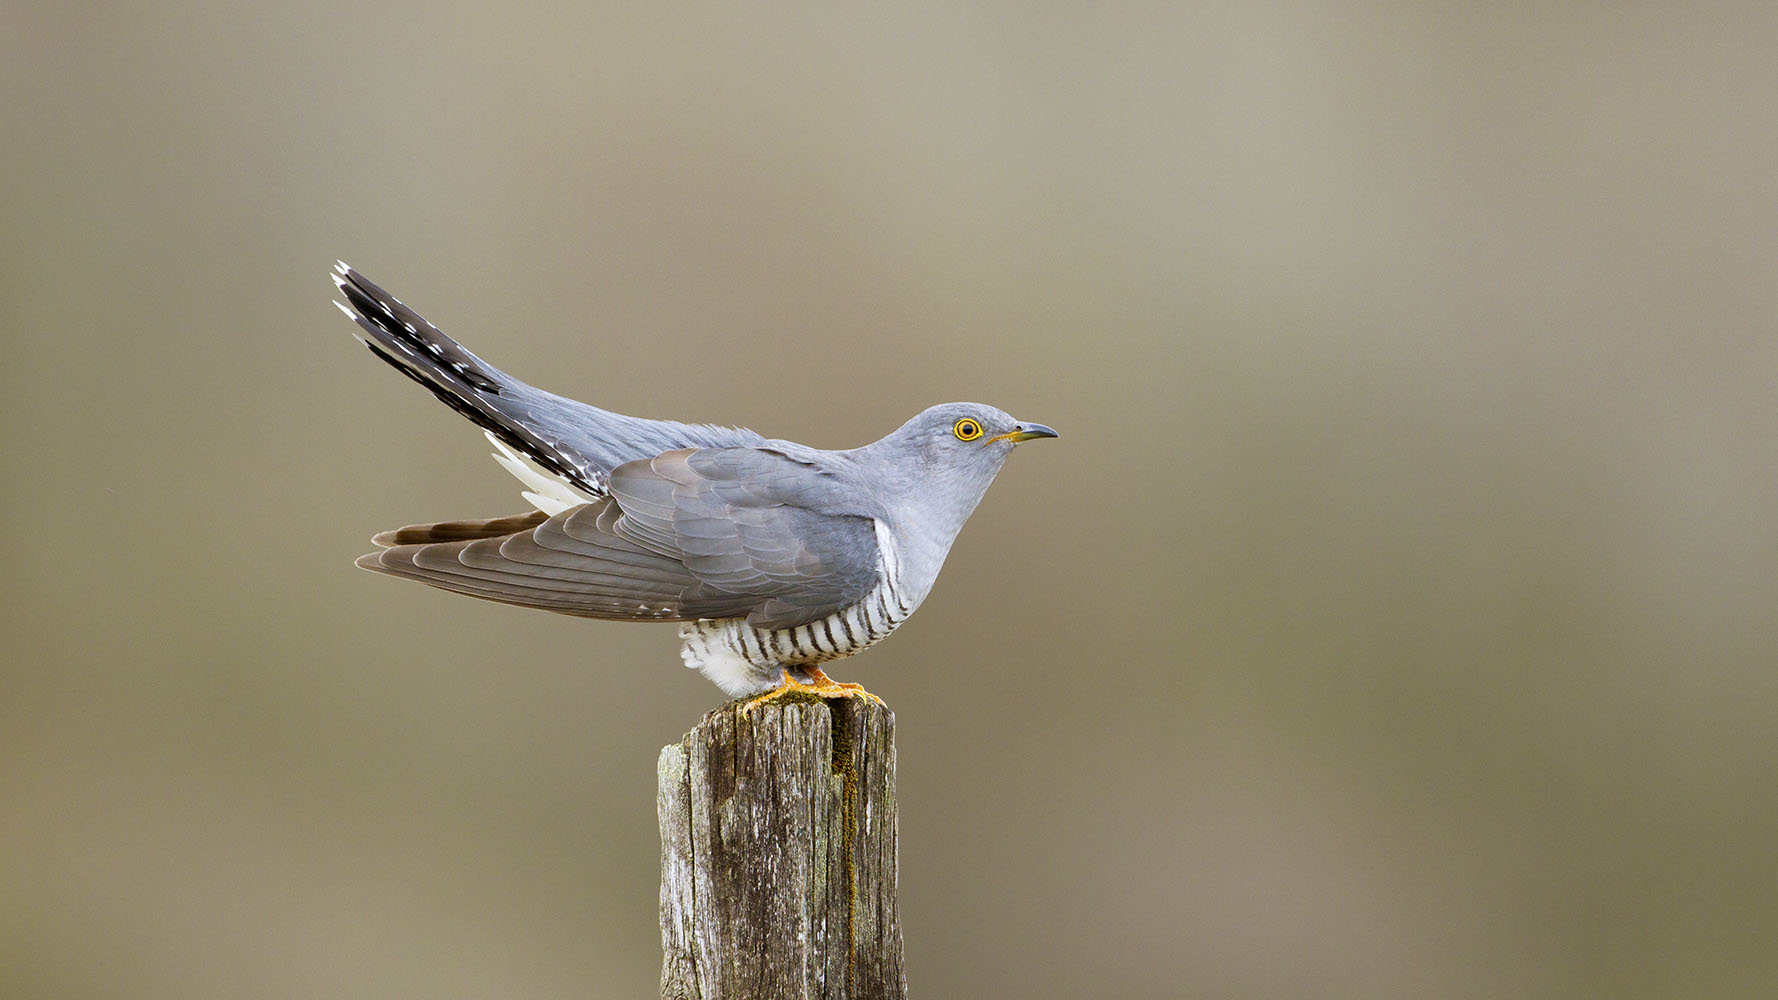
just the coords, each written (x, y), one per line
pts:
(1395, 616)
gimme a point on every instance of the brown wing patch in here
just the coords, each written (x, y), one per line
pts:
(461, 531)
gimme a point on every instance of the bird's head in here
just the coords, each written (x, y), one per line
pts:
(940, 464)
(961, 446)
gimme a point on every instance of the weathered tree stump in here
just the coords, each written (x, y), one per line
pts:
(778, 854)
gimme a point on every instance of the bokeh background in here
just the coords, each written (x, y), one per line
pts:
(1394, 618)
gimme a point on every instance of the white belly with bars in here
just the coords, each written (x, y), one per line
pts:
(742, 659)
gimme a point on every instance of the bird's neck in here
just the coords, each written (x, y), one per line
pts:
(925, 533)
(924, 505)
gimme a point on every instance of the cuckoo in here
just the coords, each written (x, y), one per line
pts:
(773, 557)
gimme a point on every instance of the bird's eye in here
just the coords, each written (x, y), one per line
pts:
(966, 429)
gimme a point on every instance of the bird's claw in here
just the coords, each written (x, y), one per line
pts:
(820, 686)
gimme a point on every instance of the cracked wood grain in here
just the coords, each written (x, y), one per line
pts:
(778, 855)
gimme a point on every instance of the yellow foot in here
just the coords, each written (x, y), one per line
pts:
(822, 686)
(827, 687)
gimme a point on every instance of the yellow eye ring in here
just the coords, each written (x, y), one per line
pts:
(966, 429)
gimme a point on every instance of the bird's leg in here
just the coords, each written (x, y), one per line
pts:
(820, 686)
(827, 687)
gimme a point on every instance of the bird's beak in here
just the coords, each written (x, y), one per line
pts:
(1025, 432)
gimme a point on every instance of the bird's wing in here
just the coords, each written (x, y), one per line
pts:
(751, 522)
(566, 440)
(572, 563)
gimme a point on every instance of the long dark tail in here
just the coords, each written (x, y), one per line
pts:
(464, 382)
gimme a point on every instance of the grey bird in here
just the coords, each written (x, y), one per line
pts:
(773, 556)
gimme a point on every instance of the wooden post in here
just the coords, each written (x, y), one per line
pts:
(778, 854)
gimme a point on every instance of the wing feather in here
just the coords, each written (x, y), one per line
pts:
(690, 534)
(453, 531)
(749, 521)
(398, 562)
(537, 563)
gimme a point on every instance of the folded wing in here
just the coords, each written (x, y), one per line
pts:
(752, 521)
(720, 533)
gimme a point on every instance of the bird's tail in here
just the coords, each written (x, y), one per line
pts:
(486, 395)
